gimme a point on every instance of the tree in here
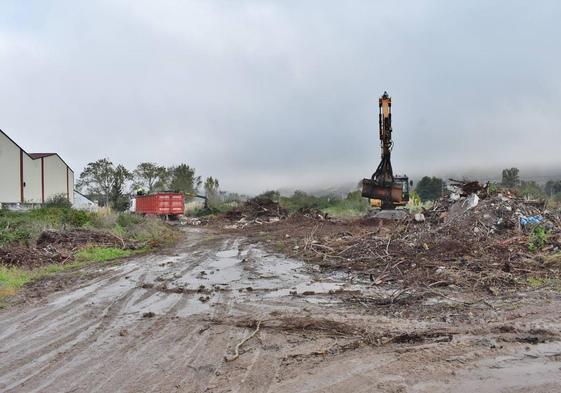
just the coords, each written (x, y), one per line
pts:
(273, 195)
(117, 198)
(510, 177)
(98, 177)
(183, 179)
(553, 187)
(429, 188)
(211, 189)
(104, 179)
(150, 176)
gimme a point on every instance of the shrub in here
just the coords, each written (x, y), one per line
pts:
(58, 200)
(127, 219)
(76, 218)
(537, 239)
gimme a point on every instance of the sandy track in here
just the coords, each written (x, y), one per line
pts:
(207, 295)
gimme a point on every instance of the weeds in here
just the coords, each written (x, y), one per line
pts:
(537, 238)
(100, 254)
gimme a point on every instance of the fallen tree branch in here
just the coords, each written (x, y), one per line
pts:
(237, 349)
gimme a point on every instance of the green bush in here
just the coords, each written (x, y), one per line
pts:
(9, 235)
(537, 239)
(59, 201)
(300, 200)
(76, 218)
(353, 205)
(128, 219)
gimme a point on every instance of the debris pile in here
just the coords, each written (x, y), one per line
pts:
(311, 213)
(258, 210)
(58, 247)
(470, 240)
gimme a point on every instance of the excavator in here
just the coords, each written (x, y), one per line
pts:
(383, 189)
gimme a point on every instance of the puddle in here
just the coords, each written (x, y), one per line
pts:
(242, 275)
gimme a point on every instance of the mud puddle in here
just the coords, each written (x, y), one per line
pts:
(243, 274)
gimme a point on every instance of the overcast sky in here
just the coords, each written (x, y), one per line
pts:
(271, 94)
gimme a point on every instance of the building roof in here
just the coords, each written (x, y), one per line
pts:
(40, 155)
(35, 156)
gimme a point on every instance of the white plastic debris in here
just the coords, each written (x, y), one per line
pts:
(471, 201)
(419, 217)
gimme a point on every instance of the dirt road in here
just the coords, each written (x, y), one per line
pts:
(171, 323)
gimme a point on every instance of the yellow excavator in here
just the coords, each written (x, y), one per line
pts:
(383, 189)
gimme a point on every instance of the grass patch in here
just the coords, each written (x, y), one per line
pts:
(536, 282)
(100, 254)
(12, 279)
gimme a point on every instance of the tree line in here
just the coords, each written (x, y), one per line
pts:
(112, 184)
(431, 188)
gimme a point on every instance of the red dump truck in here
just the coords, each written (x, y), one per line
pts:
(166, 204)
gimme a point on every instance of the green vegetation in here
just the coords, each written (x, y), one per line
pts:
(26, 226)
(59, 200)
(14, 278)
(351, 206)
(530, 190)
(430, 188)
(536, 282)
(537, 238)
(100, 254)
(510, 177)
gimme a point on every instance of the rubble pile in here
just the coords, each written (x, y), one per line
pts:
(258, 210)
(468, 240)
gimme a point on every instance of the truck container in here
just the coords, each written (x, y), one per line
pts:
(168, 204)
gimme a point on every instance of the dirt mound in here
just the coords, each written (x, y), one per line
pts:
(23, 256)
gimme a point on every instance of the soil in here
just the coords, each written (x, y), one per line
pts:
(176, 320)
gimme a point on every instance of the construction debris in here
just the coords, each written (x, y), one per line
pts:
(476, 242)
(258, 210)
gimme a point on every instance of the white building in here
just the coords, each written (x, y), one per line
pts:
(29, 178)
(82, 202)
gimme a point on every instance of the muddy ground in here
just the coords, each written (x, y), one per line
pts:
(171, 322)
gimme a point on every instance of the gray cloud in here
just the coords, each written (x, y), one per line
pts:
(267, 94)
